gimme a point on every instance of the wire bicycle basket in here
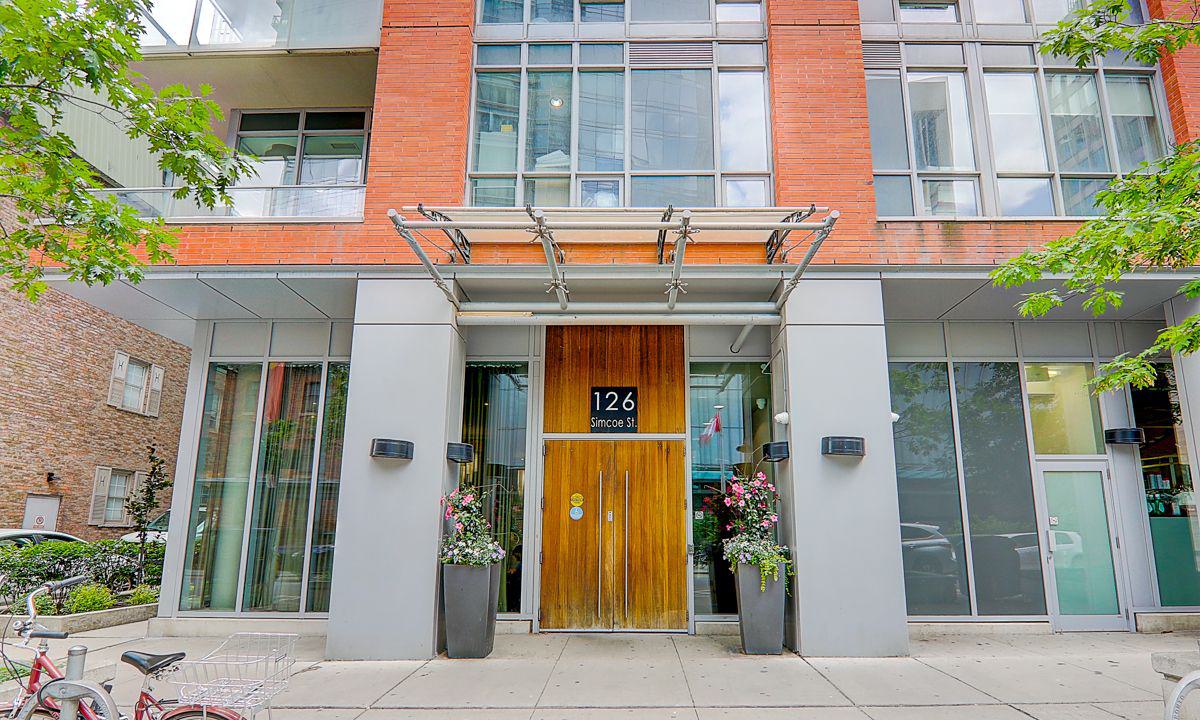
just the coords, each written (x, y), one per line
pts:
(244, 673)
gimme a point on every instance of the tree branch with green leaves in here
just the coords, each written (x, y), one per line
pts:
(60, 55)
(1150, 218)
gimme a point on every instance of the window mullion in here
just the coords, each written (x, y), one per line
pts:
(910, 141)
(1043, 90)
(1114, 158)
(981, 123)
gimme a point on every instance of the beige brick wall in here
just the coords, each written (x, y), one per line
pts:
(56, 358)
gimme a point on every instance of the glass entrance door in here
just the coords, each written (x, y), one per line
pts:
(1080, 547)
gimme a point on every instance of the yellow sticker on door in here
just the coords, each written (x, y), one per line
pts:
(576, 499)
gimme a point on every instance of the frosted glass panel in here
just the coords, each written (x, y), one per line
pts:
(1080, 543)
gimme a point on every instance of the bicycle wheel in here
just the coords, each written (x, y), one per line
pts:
(196, 713)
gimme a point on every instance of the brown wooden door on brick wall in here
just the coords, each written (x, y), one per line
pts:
(614, 538)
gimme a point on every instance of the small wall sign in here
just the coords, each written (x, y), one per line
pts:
(576, 499)
(614, 410)
(576, 513)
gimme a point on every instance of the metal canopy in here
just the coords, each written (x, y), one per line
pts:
(779, 231)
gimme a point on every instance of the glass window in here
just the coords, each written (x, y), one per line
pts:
(552, 11)
(893, 196)
(548, 192)
(950, 197)
(739, 12)
(495, 420)
(550, 54)
(600, 193)
(332, 159)
(941, 125)
(669, 10)
(1016, 119)
(889, 141)
(1079, 195)
(275, 562)
(119, 484)
(746, 192)
(218, 511)
(601, 121)
(1025, 197)
(1139, 137)
(1170, 493)
(672, 120)
(940, 54)
(1062, 409)
(602, 54)
(740, 54)
(730, 419)
(935, 12)
(335, 120)
(269, 121)
(680, 191)
(329, 478)
(503, 11)
(602, 11)
(494, 192)
(1075, 120)
(931, 526)
(1005, 551)
(498, 55)
(743, 101)
(548, 129)
(137, 374)
(497, 108)
(1051, 11)
(274, 159)
(1007, 54)
(1000, 11)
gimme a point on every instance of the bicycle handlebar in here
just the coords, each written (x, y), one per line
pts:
(56, 585)
(48, 634)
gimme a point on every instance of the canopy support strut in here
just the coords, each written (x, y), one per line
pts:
(677, 285)
(557, 284)
(813, 247)
(398, 222)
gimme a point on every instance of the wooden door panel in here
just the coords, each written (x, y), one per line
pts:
(580, 357)
(652, 548)
(574, 595)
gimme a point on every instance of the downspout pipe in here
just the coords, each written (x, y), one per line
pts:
(398, 222)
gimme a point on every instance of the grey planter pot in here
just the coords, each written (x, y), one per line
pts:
(760, 612)
(469, 595)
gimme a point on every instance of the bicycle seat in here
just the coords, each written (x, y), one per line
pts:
(147, 663)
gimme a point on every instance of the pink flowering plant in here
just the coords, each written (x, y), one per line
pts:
(754, 513)
(471, 542)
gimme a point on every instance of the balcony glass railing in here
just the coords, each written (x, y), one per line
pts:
(212, 25)
(291, 202)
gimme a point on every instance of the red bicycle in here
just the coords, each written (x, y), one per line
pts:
(49, 693)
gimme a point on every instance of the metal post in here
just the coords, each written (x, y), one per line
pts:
(398, 222)
(69, 707)
(557, 284)
(676, 285)
(736, 347)
(813, 247)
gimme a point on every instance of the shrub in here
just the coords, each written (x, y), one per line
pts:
(143, 595)
(45, 605)
(90, 597)
(111, 563)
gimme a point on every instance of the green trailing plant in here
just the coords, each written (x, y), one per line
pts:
(70, 56)
(143, 595)
(142, 506)
(90, 598)
(1150, 218)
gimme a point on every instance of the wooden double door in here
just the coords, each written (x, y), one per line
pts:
(614, 538)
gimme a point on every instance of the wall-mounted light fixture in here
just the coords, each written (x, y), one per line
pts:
(775, 452)
(51, 477)
(460, 452)
(1125, 436)
(392, 449)
(843, 446)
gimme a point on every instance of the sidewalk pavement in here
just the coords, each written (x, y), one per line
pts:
(1082, 676)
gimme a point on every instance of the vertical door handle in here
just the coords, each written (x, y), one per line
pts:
(626, 521)
(600, 551)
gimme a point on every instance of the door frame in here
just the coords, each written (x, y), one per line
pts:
(1123, 619)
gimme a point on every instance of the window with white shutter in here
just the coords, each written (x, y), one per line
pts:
(99, 496)
(116, 384)
(154, 393)
(111, 490)
(135, 385)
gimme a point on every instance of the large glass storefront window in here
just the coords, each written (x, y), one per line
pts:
(1063, 411)
(931, 527)
(218, 516)
(495, 422)
(292, 519)
(1170, 496)
(730, 420)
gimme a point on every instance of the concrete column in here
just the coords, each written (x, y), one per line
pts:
(406, 371)
(841, 515)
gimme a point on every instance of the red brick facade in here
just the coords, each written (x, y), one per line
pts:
(820, 138)
(56, 359)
